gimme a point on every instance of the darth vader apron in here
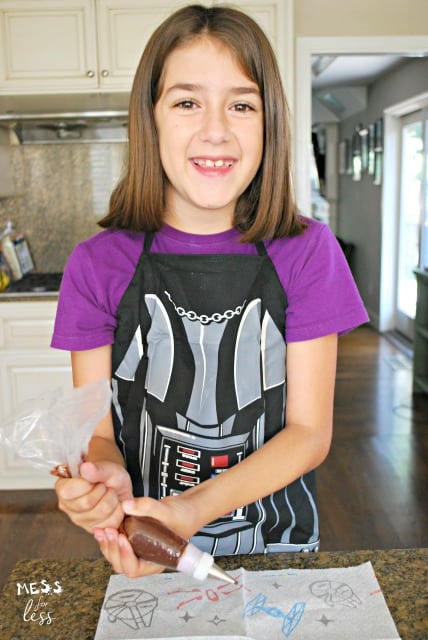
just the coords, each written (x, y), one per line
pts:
(199, 384)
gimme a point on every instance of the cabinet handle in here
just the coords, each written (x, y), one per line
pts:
(90, 73)
(104, 73)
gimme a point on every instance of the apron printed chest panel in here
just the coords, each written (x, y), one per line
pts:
(199, 384)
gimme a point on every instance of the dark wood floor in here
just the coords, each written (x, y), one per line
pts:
(372, 487)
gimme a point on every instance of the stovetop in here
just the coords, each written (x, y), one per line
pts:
(35, 283)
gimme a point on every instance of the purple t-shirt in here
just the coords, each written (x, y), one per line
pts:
(322, 296)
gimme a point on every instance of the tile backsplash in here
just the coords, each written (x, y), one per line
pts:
(61, 192)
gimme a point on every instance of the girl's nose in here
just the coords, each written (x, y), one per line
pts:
(214, 126)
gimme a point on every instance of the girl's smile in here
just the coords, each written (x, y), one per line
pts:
(209, 118)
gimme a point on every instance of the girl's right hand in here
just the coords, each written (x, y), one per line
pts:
(94, 500)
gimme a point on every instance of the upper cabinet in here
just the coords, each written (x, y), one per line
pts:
(123, 29)
(64, 46)
(47, 46)
(53, 46)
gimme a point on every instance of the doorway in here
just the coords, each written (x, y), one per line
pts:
(412, 217)
(384, 320)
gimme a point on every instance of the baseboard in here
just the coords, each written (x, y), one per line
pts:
(401, 342)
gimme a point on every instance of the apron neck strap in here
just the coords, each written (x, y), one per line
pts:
(148, 239)
(261, 249)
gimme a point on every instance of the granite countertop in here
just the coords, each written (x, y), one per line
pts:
(72, 614)
(28, 297)
(33, 286)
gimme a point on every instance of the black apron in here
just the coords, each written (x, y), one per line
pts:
(199, 384)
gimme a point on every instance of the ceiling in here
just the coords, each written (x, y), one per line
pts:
(340, 83)
(351, 70)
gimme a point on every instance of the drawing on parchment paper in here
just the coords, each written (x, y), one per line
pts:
(290, 620)
(133, 607)
(211, 594)
(285, 604)
(335, 593)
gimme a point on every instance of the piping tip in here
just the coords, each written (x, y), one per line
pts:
(219, 574)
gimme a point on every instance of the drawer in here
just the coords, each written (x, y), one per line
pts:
(26, 325)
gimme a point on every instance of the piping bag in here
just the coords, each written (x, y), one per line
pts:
(54, 430)
(155, 542)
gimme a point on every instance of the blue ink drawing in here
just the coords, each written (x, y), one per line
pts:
(290, 620)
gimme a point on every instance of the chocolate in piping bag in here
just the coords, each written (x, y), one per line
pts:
(153, 541)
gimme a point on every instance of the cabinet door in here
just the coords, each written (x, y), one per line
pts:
(47, 46)
(123, 28)
(28, 368)
(24, 377)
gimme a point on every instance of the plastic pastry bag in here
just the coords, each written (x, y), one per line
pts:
(54, 429)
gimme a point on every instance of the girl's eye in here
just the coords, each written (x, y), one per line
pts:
(243, 107)
(186, 104)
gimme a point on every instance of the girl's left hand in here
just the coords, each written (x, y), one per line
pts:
(117, 550)
(174, 512)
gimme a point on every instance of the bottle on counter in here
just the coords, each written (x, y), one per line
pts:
(4, 273)
(16, 252)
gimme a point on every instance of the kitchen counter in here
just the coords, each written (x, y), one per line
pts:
(402, 574)
(32, 296)
(33, 286)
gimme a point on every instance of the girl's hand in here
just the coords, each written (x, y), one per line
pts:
(173, 511)
(94, 499)
(117, 550)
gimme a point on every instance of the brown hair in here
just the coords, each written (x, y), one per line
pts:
(267, 208)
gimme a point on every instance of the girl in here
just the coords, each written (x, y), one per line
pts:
(211, 304)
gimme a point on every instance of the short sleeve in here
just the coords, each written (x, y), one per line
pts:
(83, 320)
(321, 292)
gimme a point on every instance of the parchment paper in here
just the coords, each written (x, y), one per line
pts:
(302, 604)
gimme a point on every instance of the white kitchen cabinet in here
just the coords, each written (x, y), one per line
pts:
(28, 368)
(124, 26)
(123, 29)
(85, 45)
(64, 46)
(47, 46)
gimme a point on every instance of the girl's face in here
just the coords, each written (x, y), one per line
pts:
(209, 118)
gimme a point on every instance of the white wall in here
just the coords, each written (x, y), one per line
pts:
(360, 17)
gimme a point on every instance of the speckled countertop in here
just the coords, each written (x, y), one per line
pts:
(73, 613)
(28, 297)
